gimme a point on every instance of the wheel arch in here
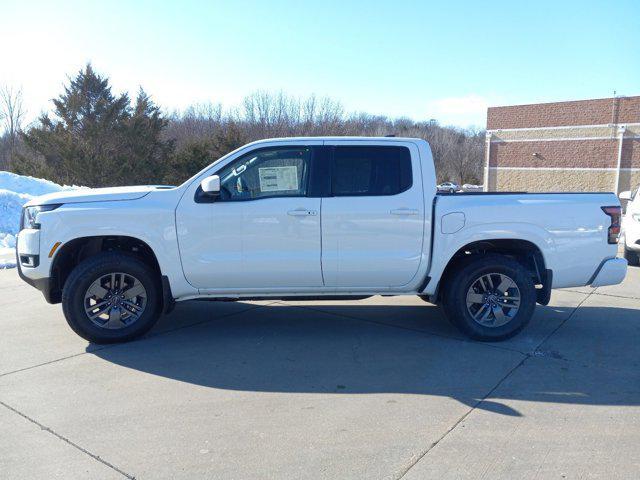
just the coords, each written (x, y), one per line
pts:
(71, 253)
(525, 252)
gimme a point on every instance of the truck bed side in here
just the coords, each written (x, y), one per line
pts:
(569, 229)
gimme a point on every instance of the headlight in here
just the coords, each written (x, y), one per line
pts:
(30, 215)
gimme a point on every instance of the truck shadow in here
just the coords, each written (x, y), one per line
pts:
(288, 349)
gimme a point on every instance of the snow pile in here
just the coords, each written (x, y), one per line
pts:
(29, 185)
(15, 191)
(10, 206)
(7, 251)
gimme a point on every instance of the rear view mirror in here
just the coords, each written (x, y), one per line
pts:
(626, 195)
(211, 185)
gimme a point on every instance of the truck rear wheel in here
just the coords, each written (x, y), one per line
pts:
(489, 298)
(111, 297)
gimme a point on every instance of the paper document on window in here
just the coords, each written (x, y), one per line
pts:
(274, 179)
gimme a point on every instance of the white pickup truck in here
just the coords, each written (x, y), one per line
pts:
(314, 218)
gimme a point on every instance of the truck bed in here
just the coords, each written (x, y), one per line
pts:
(571, 228)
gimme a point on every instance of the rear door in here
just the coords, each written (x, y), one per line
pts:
(373, 218)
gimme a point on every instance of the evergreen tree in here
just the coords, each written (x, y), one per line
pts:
(146, 144)
(96, 138)
(200, 152)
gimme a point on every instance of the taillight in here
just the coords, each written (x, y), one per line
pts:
(614, 230)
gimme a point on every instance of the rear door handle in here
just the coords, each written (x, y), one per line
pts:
(302, 212)
(404, 211)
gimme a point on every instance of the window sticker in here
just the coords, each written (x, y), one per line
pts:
(275, 179)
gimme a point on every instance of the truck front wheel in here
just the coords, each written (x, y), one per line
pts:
(111, 297)
(489, 298)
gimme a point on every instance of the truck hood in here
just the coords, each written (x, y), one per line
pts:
(93, 195)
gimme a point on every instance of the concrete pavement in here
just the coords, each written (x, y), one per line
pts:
(380, 388)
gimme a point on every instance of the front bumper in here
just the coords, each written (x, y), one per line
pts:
(611, 272)
(632, 242)
(631, 234)
(28, 263)
(42, 284)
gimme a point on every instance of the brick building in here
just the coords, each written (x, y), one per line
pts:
(586, 145)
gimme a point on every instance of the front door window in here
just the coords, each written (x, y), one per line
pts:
(268, 173)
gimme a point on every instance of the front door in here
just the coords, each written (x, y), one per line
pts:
(262, 232)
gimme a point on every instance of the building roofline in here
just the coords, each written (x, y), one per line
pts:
(564, 101)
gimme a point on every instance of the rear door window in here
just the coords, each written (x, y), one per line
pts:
(374, 171)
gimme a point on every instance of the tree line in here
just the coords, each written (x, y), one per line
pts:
(95, 137)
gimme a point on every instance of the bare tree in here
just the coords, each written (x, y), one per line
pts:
(11, 113)
(465, 150)
(204, 132)
(11, 118)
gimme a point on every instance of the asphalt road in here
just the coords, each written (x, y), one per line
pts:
(380, 388)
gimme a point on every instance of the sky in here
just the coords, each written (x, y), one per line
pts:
(444, 60)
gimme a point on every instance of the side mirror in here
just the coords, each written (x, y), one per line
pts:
(626, 195)
(211, 185)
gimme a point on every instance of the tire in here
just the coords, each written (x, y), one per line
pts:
(464, 285)
(632, 258)
(451, 190)
(130, 317)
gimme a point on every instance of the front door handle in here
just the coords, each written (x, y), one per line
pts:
(404, 211)
(302, 212)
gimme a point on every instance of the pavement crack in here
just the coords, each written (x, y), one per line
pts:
(526, 356)
(66, 440)
(423, 453)
(536, 350)
(52, 361)
(146, 337)
(614, 296)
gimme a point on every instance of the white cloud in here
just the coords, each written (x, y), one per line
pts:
(465, 111)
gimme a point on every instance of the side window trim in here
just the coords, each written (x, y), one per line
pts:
(200, 197)
(320, 172)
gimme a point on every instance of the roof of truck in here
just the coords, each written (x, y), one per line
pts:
(347, 138)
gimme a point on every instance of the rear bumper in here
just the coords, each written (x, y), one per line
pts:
(610, 272)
